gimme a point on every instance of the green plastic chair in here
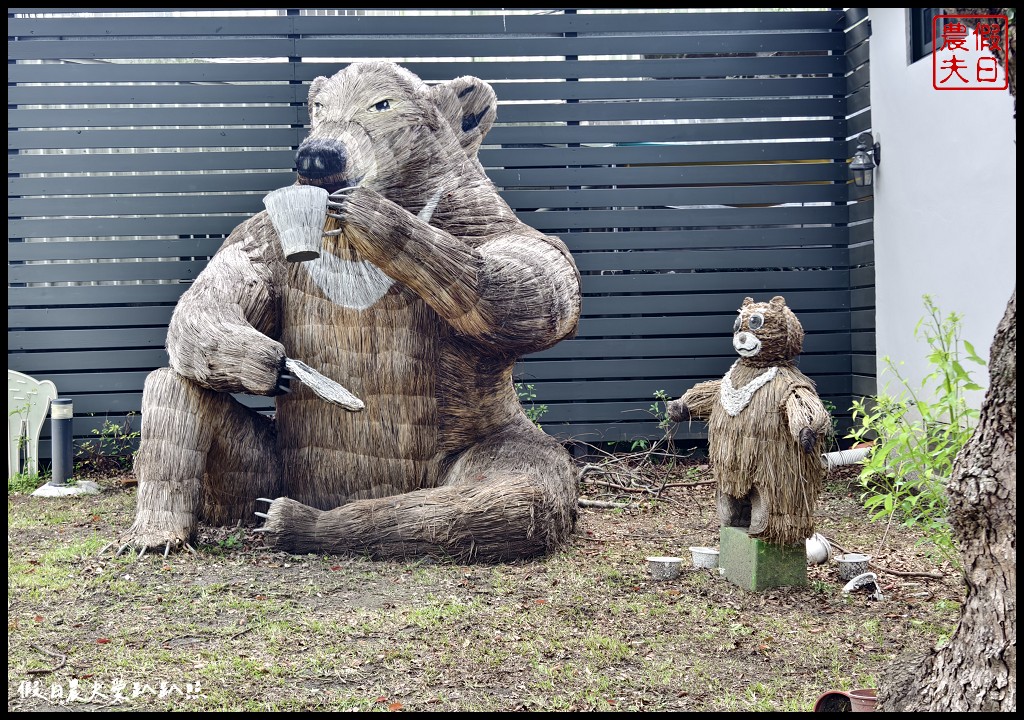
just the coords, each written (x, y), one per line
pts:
(28, 403)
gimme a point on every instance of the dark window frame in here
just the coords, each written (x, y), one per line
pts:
(920, 38)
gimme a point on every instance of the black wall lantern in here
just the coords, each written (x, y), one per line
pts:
(865, 160)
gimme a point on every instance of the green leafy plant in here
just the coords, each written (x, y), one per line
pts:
(917, 433)
(527, 396)
(659, 409)
(23, 482)
(111, 452)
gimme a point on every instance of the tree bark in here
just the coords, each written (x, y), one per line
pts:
(977, 669)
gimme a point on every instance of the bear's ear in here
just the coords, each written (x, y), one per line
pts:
(779, 301)
(470, 106)
(748, 301)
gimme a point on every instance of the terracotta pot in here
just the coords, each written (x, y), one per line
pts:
(863, 700)
(833, 701)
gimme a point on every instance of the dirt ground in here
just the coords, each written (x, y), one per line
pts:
(239, 627)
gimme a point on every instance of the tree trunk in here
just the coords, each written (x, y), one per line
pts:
(977, 669)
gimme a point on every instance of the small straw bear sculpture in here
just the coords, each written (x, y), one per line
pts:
(398, 431)
(766, 428)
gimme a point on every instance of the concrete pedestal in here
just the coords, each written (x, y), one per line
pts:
(756, 565)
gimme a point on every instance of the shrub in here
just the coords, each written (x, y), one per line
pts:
(917, 434)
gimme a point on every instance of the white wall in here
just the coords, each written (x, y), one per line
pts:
(945, 202)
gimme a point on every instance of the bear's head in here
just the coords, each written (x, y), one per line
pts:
(378, 125)
(767, 333)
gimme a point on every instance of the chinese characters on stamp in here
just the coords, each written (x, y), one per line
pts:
(964, 60)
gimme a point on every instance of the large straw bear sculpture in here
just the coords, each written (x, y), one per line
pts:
(428, 291)
(766, 428)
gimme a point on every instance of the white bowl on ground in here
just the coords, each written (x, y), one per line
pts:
(704, 557)
(664, 567)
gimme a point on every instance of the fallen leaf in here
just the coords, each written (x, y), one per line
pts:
(395, 706)
(38, 618)
(102, 641)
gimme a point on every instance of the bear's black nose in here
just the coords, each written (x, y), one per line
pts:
(318, 158)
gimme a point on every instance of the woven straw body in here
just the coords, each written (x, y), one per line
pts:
(767, 481)
(427, 292)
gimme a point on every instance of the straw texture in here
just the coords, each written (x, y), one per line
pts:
(427, 292)
(298, 213)
(765, 455)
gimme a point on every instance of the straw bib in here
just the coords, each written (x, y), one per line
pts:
(357, 285)
(734, 400)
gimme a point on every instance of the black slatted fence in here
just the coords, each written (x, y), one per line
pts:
(688, 159)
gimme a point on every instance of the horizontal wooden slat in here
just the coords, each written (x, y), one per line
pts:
(679, 176)
(391, 46)
(227, 137)
(95, 295)
(206, 204)
(21, 319)
(665, 371)
(755, 281)
(115, 226)
(626, 239)
(89, 272)
(549, 156)
(580, 348)
(688, 217)
(60, 340)
(56, 361)
(562, 198)
(864, 385)
(436, 70)
(443, 24)
(507, 135)
(551, 221)
(683, 260)
(556, 111)
(261, 182)
(109, 249)
(799, 301)
(286, 93)
(688, 325)
(731, 195)
(167, 160)
(103, 381)
(90, 117)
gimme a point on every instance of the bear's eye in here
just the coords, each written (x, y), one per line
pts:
(736, 325)
(756, 321)
(382, 106)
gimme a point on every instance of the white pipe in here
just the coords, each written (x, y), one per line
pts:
(844, 457)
